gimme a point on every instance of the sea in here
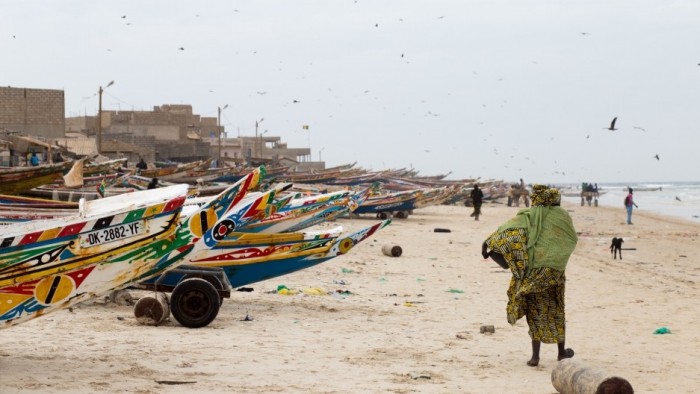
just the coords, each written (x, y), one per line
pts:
(676, 199)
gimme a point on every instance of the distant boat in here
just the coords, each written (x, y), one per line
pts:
(14, 180)
(644, 189)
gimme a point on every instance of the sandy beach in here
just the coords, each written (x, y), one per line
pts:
(401, 325)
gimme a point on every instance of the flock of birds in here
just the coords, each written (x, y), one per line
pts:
(612, 128)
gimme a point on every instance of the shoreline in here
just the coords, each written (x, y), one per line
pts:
(408, 324)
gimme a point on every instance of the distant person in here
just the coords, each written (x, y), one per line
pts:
(34, 160)
(522, 184)
(153, 184)
(629, 203)
(58, 158)
(477, 198)
(141, 165)
(535, 245)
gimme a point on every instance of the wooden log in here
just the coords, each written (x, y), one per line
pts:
(487, 329)
(152, 310)
(392, 250)
(570, 376)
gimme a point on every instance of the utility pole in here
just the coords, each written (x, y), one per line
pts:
(218, 129)
(255, 142)
(99, 117)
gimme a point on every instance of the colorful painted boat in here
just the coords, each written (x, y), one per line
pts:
(111, 244)
(305, 212)
(255, 257)
(47, 265)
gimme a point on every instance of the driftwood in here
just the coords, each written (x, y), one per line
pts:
(392, 250)
(572, 377)
(152, 310)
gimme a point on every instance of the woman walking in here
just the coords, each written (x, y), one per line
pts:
(535, 245)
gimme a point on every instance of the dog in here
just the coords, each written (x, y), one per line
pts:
(616, 246)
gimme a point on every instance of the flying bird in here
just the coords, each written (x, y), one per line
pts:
(295, 101)
(612, 124)
(678, 199)
(181, 48)
(656, 156)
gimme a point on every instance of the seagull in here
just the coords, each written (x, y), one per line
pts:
(678, 199)
(656, 156)
(181, 48)
(612, 124)
(295, 101)
(639, 128)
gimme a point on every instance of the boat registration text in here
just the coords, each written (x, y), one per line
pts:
(112, 234)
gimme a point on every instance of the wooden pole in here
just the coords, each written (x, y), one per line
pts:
(570, 376)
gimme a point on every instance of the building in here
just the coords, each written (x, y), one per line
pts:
(168, 132)
(38, 112)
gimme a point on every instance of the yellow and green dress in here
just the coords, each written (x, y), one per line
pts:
(536, 245)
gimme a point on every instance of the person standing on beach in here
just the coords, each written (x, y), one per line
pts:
(535, 245)
(477, 198)
(629, 204)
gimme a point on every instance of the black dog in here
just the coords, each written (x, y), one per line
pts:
(615, 247)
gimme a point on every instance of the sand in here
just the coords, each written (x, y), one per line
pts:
(410, 324)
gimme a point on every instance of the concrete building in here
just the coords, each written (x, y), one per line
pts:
(168, 132)
(38, 112)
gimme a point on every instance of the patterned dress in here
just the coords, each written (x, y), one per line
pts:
(537, 293)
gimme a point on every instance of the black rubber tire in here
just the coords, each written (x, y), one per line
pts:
(209, 278)
(383, 215)
(442, 230)
(194, 302)
(401, 215)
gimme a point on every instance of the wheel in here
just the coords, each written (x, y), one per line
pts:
(211, 279)
(402, 214)
(194, 302)
(383, 215)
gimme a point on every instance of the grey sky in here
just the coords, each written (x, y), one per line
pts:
(492, 89)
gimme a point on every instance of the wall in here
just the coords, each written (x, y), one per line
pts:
(38, 112)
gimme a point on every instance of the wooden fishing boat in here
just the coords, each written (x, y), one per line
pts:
(106, 167)
(16, 214)
(111, 244)
(52, 264)
(168, 173)
(305, 212)
(255, 257)
(9, 201)
(14, 180)
(385, 205)
(198, 176)
(75, 194)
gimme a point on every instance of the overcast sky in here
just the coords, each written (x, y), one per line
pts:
(494, 89)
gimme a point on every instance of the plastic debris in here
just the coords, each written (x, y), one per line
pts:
(458, 291)
(347, 271)
(315, 291)
(662, 330)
